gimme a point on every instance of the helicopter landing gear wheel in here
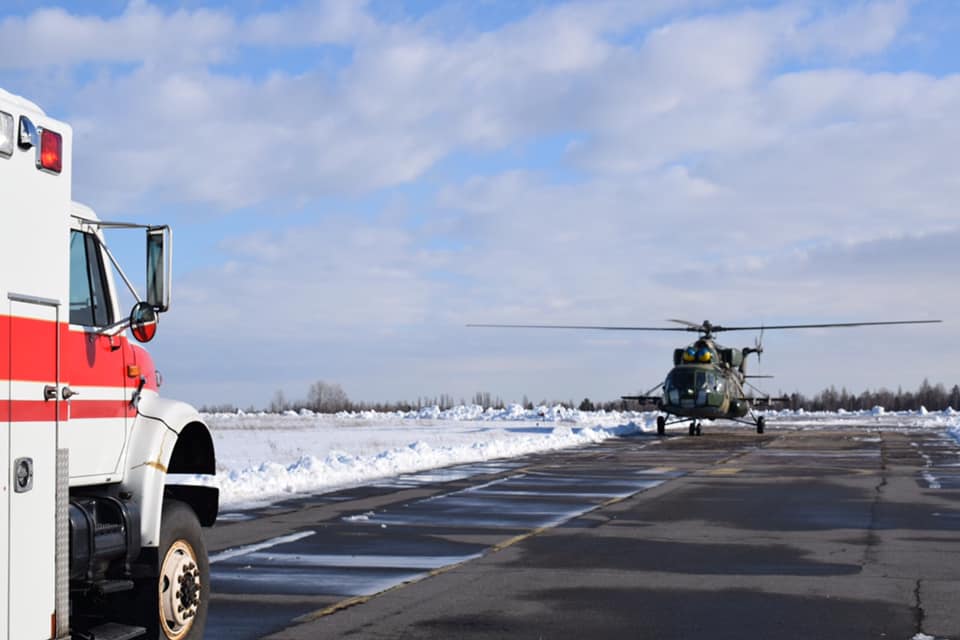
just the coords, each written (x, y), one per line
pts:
(699, 431)
(693, 428)
(761, 424)
(661, 425)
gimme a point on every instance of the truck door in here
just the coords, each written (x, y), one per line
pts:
(34, 408)
(94, 368)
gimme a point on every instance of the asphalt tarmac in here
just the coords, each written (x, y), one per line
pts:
(843, 532)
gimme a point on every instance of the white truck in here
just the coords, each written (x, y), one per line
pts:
(97, 541)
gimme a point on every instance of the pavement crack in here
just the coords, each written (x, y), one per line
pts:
(918, 613)
(869, 554)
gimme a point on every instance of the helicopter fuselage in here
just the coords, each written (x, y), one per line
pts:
(704, 391)
(706, 382)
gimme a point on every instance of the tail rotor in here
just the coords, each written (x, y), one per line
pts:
(758, 346)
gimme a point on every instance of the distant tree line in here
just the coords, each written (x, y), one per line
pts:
(929, 396)
(932, 397)
(329, 397)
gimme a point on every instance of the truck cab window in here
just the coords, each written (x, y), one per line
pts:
(88, 283)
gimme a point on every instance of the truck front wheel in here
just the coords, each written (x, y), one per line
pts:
(177, 607)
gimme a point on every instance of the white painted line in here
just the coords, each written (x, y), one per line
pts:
(260, 546)
(931, 480)
(360, 561)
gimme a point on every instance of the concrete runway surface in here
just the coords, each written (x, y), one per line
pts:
(840, 532)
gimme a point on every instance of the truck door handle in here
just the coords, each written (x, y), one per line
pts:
(49, 392)
(66, 393)
(23, 475)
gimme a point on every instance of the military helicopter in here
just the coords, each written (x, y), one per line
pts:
(708, 381)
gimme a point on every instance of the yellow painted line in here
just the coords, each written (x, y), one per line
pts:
(500, 546)
(725, 471)
(333, 608)
(659, 470)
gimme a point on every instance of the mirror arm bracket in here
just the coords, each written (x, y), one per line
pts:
(114, 329)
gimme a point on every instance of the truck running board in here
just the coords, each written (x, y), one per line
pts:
(111, 631)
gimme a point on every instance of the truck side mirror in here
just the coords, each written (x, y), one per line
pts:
(159, 248)
(143, 321)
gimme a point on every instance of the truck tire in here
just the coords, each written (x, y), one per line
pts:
(173, 606)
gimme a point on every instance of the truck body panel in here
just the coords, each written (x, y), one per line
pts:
(33, 299)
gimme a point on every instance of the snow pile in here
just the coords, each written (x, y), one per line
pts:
(266, 457)
(954, 430)
(557, 413)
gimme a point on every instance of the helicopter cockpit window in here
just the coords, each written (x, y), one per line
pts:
(685, 379)
(680, 379)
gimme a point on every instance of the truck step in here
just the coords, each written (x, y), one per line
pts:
(107, 587)
(112, 631)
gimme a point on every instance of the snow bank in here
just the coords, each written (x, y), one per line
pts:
(266, 457)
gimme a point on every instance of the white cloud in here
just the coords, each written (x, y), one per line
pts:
(860, 29)
(312, 23)
(142, 33)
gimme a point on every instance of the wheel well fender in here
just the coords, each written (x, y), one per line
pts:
(170, 454)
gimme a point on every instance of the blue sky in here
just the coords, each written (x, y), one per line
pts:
(350, 183)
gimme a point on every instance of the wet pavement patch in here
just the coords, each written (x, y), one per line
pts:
(899, 515)
(526, 501)
(486, 624)
(249, 619)
(637, 554)
(449, 474)
(802, 505)
(720, 614)
(337, 563)
(286, 576)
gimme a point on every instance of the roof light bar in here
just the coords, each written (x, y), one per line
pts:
(50, 152)
(6, 134)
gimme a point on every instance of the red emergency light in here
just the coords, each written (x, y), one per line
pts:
(51, 151)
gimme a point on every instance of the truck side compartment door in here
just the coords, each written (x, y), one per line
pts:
(34, 413)
(5, 469)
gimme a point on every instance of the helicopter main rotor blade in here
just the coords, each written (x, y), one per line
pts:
(824, 325)
(692, 325)
(582, 326)
(701, 328)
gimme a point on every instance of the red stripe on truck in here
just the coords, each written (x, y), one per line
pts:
(83, 409)
(31, 411)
